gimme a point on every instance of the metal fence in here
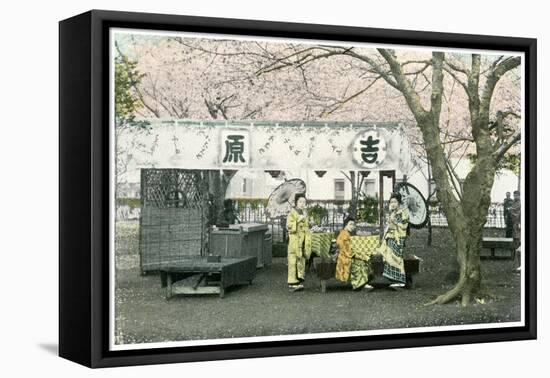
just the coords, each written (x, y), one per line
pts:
(495, 216)
(337, 210)
(254, 211)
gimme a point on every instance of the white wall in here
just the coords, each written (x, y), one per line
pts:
(29, 159)
(260, 184)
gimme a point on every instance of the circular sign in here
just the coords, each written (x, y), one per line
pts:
(369, 149)
(415, 203)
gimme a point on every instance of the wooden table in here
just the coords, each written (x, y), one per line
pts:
(499, 243)
(196, 275)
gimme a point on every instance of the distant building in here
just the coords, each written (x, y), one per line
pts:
(333, 185)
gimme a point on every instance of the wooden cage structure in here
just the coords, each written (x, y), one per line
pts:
(173, 220)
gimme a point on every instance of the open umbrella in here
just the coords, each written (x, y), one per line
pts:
(281, 200)
(415, 203)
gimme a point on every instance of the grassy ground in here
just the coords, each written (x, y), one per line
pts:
(267, 308)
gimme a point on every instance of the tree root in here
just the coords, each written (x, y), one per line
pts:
(449, 296)
(460, 291)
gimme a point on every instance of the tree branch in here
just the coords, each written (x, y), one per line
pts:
(155, 112)
(437, 84)
(473, 94)
(303, 57)
(454, 178)
(341, 103)
(346, 176)
(499, 152)
(404, 85)
(455, 77)
(492, 80)
(458, 140)
(375, 67)
(456, 67)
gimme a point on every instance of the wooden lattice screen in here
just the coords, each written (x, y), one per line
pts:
(173, 222)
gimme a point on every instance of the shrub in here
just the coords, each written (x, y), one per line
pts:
(132, 203)
(368, 210)
(318, 214)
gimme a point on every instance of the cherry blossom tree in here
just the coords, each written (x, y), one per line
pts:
(424, 84)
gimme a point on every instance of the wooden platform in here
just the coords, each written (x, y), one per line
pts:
(506, 244)
(198, 276)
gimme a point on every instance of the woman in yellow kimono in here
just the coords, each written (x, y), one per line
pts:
(299, 243)
(394, 240)
(348, 266)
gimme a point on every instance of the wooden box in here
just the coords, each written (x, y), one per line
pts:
(240, 240)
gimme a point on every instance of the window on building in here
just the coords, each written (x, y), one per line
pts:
(339, 189)
(246, 185)
(369, 187)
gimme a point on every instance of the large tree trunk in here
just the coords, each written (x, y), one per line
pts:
(467, 212)
(467, 229)
(468, 243)
(217, 192)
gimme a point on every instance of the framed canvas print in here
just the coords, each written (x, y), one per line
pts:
(235, 188)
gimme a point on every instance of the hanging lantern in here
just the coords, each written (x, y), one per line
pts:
(320, 173)
(274, 174)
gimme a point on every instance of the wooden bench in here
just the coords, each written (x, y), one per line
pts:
(493, 244)
(197, 275)
(326, 270)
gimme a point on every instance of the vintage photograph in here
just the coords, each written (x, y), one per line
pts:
(277, 189)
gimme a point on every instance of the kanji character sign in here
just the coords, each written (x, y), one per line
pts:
(235, 148)
(369, 149)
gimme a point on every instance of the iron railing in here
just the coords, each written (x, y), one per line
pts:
(337, 210)
(254, 211)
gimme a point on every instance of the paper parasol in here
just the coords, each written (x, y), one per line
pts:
(415, 203)
(281, 200)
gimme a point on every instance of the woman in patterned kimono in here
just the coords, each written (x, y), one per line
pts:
(299, 243)
(349, 267)
(393, 241)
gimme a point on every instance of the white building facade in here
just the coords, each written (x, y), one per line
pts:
(265, 154)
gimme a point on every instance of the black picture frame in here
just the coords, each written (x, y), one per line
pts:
(84, 193)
